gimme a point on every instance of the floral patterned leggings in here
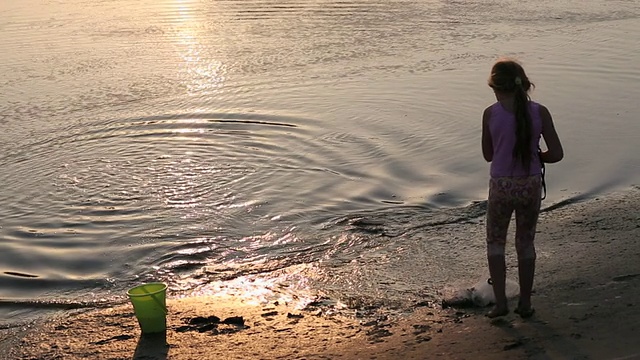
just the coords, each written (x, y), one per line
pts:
(506, 195)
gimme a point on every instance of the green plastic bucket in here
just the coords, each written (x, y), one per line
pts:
(149, 305)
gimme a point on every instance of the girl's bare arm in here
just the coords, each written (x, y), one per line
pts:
(487, 144)
(554, 151)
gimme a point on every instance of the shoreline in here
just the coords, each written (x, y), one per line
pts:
(587, 300)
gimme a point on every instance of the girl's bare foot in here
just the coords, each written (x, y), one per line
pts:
(497, 311)
(524, 311)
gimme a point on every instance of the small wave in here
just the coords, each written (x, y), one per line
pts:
(18, 274)
(53, 305)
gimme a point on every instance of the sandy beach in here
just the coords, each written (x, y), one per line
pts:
(587, 294)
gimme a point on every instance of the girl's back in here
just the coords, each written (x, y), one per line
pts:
(502, 126)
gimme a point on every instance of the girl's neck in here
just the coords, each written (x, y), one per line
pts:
(506, 100)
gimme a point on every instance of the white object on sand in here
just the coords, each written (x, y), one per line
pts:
(480, 294)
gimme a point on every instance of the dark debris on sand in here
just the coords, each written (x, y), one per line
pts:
(213, 325)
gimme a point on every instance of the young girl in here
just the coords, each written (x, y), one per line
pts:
(511, 131)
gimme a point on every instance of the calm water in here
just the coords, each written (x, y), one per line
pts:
(282, 146)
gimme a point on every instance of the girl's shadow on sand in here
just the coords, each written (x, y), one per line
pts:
(152, 346)
(534, 339)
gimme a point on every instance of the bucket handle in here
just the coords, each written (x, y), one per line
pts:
(158, 302)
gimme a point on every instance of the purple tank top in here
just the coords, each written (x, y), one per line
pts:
(502, 126)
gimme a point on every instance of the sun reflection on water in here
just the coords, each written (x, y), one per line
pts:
(202, 72)
(201, 63)
(290, 287)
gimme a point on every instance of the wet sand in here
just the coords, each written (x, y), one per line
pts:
(587, 300)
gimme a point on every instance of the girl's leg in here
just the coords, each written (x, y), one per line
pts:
(497, 270)
(499, 210)
(527, 212)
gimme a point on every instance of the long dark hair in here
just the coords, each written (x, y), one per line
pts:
(508, 76)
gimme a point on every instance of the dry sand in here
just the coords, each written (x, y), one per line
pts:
(587, 300)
